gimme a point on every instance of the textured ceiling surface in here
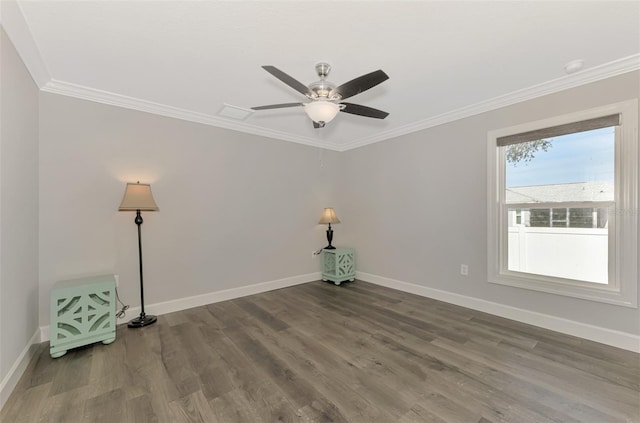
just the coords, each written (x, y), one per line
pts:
(189, 58)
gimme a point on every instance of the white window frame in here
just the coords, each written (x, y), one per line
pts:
(622, 288)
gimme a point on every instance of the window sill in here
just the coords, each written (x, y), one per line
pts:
(566, 287)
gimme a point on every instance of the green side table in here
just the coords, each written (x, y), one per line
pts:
(339, 265)
(83, 311)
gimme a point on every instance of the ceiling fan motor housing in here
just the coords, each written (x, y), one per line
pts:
(322, 88)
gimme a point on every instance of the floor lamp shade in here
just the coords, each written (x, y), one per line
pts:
(329, 217)
(138, 197)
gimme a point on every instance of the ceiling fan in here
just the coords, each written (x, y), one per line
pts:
(326, 98)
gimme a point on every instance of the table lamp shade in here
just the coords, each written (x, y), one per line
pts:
(138, 196)
(329, 216)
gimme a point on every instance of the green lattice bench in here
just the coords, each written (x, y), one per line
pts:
(338, 265)
(83, 311)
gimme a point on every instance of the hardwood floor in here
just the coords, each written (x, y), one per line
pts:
(322, 353)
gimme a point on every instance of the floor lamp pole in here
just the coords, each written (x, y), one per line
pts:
(143, 319)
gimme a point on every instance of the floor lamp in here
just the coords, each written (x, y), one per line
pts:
(137, 197)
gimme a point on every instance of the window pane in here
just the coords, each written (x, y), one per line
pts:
(558, 218)
(582, 218)
(572, 252)
(575, 167)
(540, 218)
(561, 241)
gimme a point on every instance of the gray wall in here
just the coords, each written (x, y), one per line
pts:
(235, 209)
(416, 206)
(18, 206)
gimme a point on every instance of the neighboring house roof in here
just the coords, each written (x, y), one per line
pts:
(578, 191)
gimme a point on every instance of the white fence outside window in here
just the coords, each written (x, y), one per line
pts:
(572, 253)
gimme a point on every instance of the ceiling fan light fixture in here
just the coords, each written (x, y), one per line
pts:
(321, 110)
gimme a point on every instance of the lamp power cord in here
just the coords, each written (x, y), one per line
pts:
(123, 311)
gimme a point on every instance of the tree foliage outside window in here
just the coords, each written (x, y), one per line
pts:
(525, 151)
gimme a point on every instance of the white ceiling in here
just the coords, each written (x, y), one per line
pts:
(445, 60)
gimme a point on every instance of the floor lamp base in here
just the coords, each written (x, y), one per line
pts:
(142, 321)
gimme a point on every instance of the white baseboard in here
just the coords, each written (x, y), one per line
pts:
(611, 337)
(19, 366)
(211, 297)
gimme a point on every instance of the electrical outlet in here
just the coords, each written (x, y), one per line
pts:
(117, 278)
(464, 270)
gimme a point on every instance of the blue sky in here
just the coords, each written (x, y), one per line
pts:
(582, 157)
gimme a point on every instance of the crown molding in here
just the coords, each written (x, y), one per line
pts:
(608, 70)
(597, 73)
(105, 97)
(14, 23)
(16, 27)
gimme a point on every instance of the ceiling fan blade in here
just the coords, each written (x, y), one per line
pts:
(276, 106)
(357, 109)
(293, 83)
(360, 84)
(317, 125)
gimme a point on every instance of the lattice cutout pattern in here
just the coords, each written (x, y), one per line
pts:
(345, 264)
(84, 314)
(83, 311)
(329, 263)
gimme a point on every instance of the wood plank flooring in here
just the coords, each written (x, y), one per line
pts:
(322, 353)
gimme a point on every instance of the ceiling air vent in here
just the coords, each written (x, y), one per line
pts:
(233, 112)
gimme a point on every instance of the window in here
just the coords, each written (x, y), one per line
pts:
(563, 205)
(577, 218)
